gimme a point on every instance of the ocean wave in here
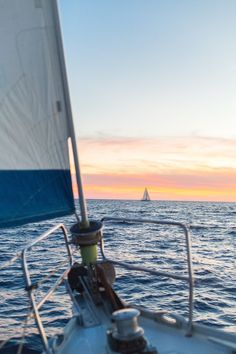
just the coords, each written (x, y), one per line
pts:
(149, 245)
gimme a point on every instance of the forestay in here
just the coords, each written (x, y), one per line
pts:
(35, 180)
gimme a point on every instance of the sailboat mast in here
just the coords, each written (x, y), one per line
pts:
(83, 207)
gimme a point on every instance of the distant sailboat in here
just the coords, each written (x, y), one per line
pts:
(146, 196)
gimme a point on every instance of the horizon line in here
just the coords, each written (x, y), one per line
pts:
(162, 200)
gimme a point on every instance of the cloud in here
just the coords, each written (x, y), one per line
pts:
(164, 152)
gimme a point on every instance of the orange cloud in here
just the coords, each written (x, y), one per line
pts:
(177, 168)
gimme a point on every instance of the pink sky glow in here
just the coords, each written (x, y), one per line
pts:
(173, 168)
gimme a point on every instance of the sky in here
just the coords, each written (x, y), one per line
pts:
(153, 86)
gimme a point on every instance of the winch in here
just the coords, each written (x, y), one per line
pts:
(125, 336)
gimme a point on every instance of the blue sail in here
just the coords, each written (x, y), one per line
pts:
(35, 179)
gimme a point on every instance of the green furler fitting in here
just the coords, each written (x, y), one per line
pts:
(89, 254)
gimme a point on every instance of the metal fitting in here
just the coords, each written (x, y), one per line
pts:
(86, 236)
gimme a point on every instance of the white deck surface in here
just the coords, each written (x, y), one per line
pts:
(167, 340)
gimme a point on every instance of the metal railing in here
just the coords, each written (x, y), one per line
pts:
(30, 286)
(189, 278)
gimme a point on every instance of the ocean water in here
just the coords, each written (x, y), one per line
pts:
(213, 233)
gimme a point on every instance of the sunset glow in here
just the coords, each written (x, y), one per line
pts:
(172, 168)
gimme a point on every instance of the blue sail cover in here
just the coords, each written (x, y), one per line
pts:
(35, 180)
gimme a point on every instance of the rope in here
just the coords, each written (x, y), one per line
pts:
(11, 261)
(30, 313)
(22, 340)
(54, 271)
(51, 273)
(4, 342)
(24, 331)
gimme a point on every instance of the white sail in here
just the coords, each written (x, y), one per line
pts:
(146, 196)
(35, 180)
